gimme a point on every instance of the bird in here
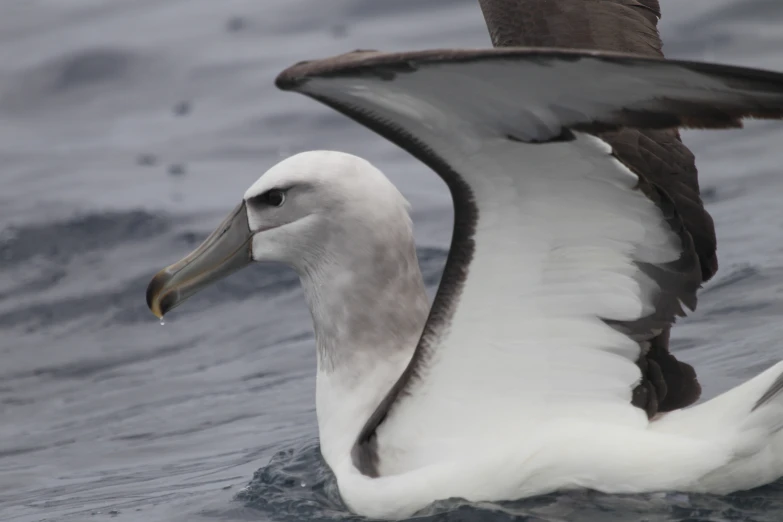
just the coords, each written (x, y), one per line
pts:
(579, 237)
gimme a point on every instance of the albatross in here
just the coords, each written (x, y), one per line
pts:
(579, 237)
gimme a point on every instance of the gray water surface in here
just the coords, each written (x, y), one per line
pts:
(128, 128)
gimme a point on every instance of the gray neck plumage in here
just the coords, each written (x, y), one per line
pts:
(367, 299)
(369, 307)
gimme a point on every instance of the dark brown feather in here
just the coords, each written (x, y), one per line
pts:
(609, 25)
(658, 155)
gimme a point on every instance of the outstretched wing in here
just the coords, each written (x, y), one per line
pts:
(564, 259)
(624, 26)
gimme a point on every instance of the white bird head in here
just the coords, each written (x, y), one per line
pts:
(312, 209)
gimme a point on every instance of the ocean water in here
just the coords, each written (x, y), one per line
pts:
(128, 128)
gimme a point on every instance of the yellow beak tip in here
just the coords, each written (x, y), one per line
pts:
(154, 291)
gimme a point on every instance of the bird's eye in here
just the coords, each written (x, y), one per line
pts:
(274, 197)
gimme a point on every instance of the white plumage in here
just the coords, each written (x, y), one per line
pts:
(528, 392)
(522, 382)
(564, 265)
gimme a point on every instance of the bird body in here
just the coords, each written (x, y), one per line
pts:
(579, 238)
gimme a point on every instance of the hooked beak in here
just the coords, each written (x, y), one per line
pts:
(224, 252)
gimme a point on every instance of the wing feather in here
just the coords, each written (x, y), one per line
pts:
(609, 25)
(630, 26)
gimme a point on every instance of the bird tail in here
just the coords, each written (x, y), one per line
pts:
(748, 422)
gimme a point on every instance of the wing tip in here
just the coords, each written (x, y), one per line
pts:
(298, 74)
(289, 80)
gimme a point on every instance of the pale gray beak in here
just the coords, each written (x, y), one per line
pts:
(224, 252)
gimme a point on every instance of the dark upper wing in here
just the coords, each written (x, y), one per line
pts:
(624, 26)
(628, 26)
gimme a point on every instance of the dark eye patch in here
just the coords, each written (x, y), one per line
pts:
(271, 198)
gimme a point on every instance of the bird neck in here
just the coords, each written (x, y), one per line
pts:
(369, 306)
